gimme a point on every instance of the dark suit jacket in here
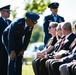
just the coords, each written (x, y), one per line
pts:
(68, 42)
(47, 20)
(3, 25)
(16, 32)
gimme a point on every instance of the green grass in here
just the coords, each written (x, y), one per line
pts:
(27, 70)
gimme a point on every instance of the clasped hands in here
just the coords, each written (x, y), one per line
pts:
(13, 54)
(42, 55)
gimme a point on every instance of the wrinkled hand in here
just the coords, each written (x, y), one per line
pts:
(21, 53)
(12, 55)
(40, 55)
(57, 56)
(71, 63)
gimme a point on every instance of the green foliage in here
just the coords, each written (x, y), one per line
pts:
(14, 13)
(37, 34)
(37, 6)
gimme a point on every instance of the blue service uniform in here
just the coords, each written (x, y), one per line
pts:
(16, 37)
(12, 39)
(3, 53)
(47, 20)
(16, 32)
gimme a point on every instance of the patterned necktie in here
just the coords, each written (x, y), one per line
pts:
(62, 42)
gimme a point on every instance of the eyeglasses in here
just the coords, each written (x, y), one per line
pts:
(49, 27)
(34, 22)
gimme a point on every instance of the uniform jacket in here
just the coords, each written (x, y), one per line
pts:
(47, 20)
(3, 25)
(18, 35)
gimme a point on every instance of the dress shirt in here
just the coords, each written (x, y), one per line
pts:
(55, 17)
(25, 25)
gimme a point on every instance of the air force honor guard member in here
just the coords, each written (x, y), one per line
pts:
(5, 13)
(53, 17)
(15, 45)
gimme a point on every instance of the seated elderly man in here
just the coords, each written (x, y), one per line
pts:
(63, 50)
(64, 67)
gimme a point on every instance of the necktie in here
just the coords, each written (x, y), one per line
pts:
(61, 44)
(6, 22)
(26, 29)
(55, 18)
